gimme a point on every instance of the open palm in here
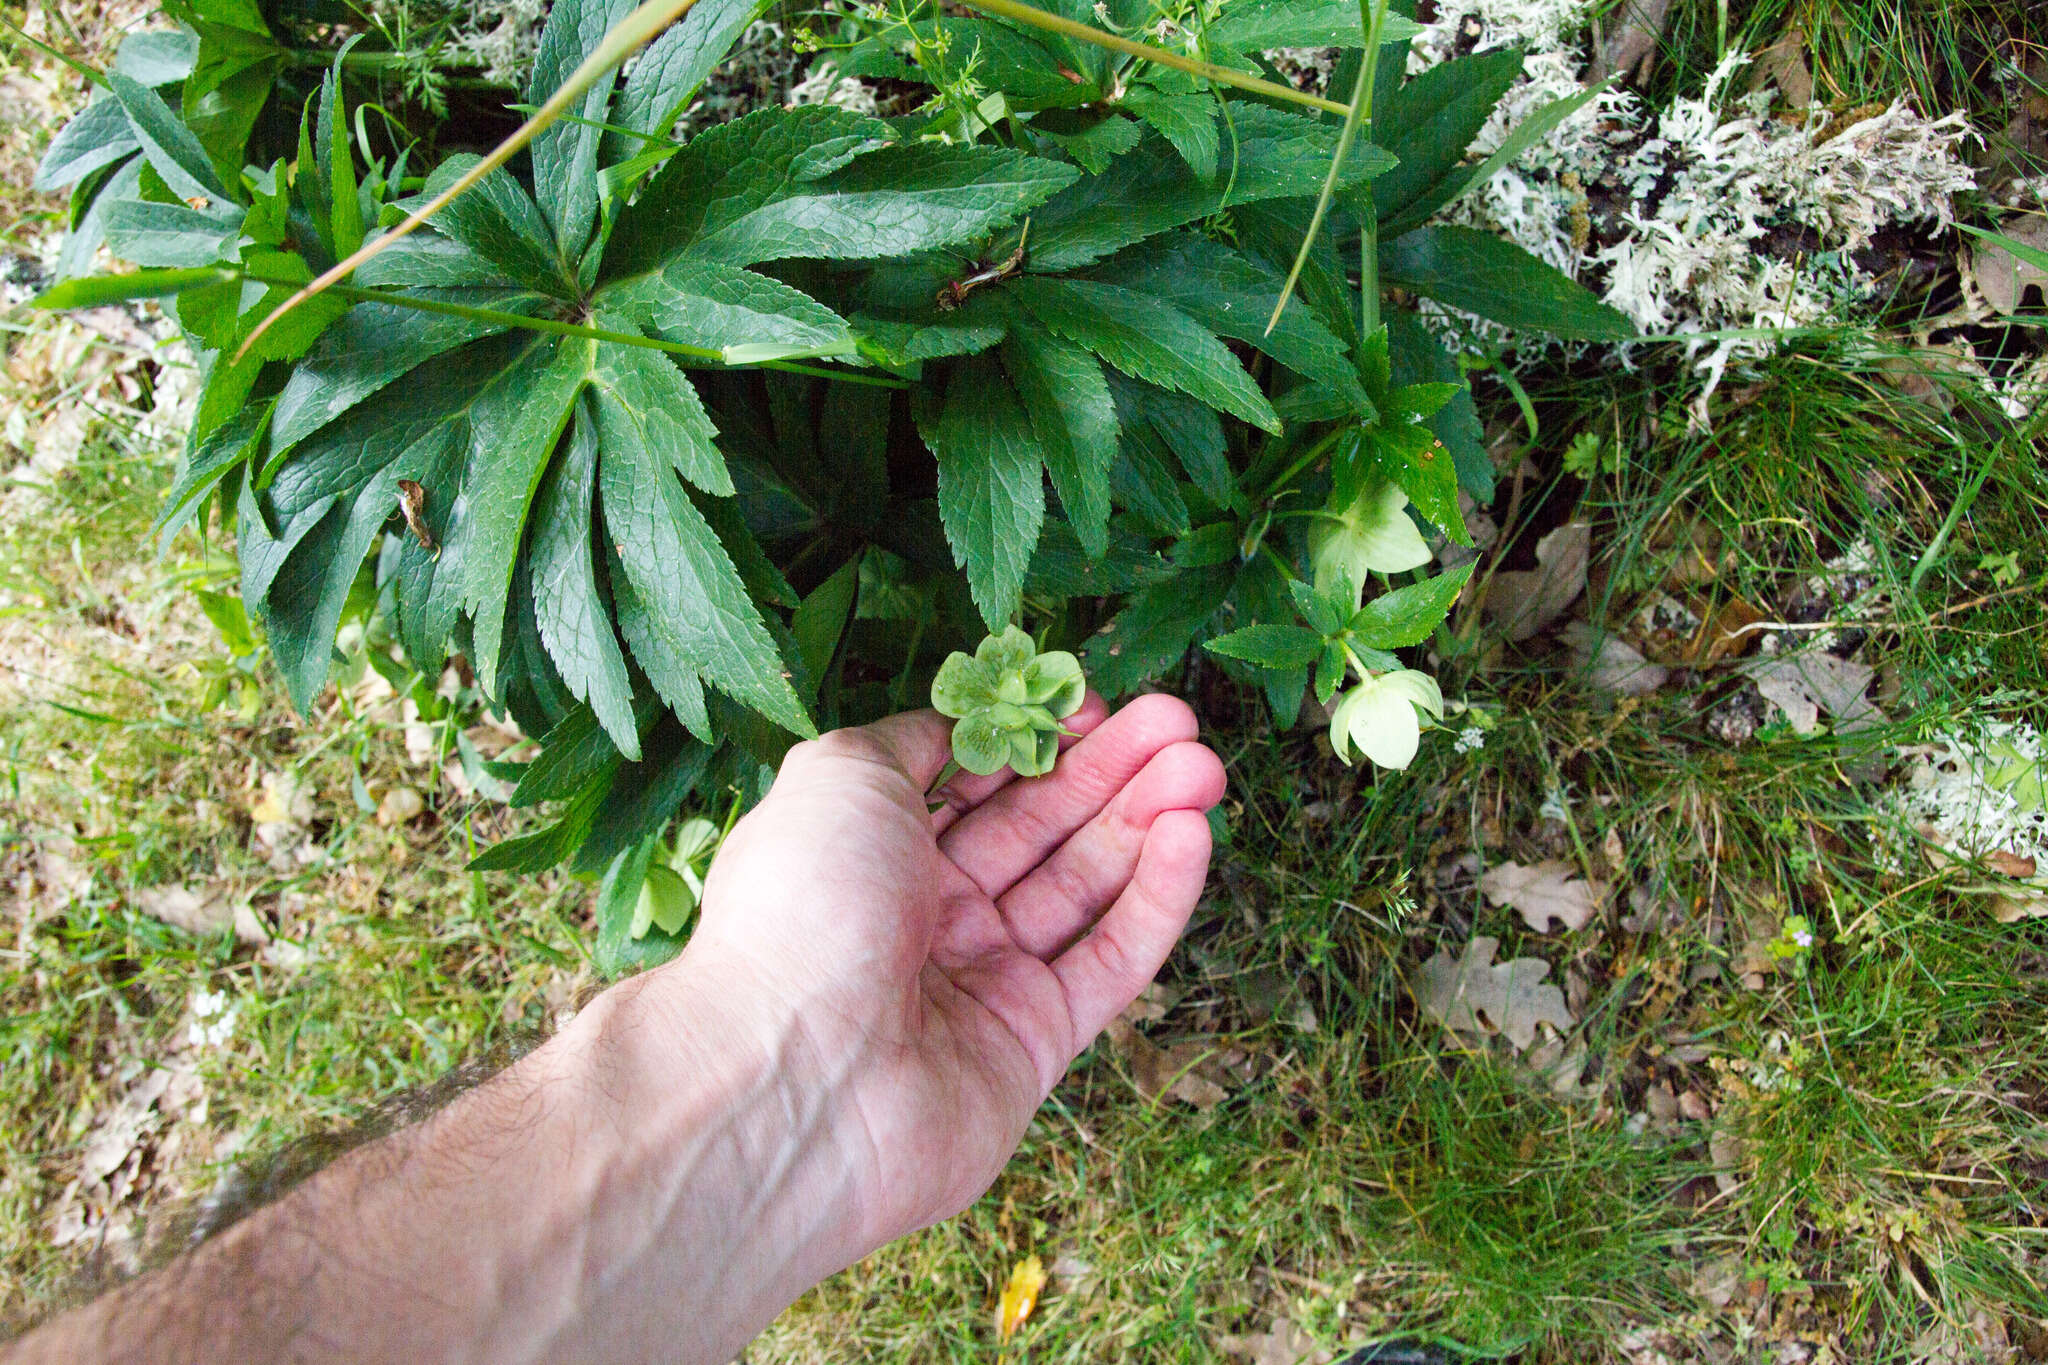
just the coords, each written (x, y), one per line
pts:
(939, 971)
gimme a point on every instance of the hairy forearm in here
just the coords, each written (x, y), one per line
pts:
(645, 1186)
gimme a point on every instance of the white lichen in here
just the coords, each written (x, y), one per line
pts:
(1715, 214)
(1981, 792)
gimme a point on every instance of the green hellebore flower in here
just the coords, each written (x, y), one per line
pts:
(1372, 535)
(1382, 717)
(1008, 700)
(674, 887)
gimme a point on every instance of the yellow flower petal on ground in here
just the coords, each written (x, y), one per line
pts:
(1020, 1296)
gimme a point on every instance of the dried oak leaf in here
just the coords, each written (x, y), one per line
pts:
(1522, 602)
(2003, 276)
(1612, 664)
(1545, 892)
(1283, 1344)
(1474, 994)
(1184, 1071)
(1804, 685)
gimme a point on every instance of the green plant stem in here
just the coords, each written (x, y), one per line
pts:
(1372, 14)
(1056, 23)
(1315, 452)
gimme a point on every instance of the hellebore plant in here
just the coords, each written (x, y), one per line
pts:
(1382, 716)
(1374, 534)
(1008, 700)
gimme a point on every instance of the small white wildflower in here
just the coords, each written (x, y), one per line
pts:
(1470, 740)
(213, 1019)
(1802, 937)
(1556, 806)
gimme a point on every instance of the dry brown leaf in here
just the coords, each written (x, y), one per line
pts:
(1783, 64)
(1804, 685)
(1725, 634)
(1282, 1344)
(1613, 665)
(1020, 1296)
(1545, 892)
(1474, 994)
(1631, 46)
(1186, 1071)
(401, 805)
(1522, 602)
(2003, 276)
(202, 914)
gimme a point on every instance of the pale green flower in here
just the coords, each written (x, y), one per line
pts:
(1373, 535)
(1382, 717)
(1008, 701)
(673, 888)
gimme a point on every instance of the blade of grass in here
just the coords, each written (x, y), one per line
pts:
(625, 38)
(1374, 14)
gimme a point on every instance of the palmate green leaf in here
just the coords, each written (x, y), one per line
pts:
(645, 401)
(204, 465)
(1270, 646)
(824, 183)
(1484, 274)
(1430, 121)
(820, 619)
(1416, 357)
(1097, 144)
(991, 490)
(1156, 420)
(263, 547)
(1149, 190)
(157, 56)
(1074, 418)
(1023, 66)
(1187, 122)
(152, 234)
(1413, 458)
(571, 613)
(173, 152)
(698, 612)
(1301, 23)
(499, 221)
(674, 681)
(1406, 616)
(710, 304)
(304, 605)
(99, 135)
(432, 262)
(1231, 294)
(1147, 339)
(515, 427)
(618, 899)
(565, 153)
(552, 844)
(1154, 629)
(665, 79)
(1144, 485)
(373, 344)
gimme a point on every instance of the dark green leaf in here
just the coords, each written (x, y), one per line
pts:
(204, 465)
(1062, 567)
(704, 303)
(1300, 23)
(786, 182)
(373, 344)
(1429, 122)
(1186, 428)
(618, 898)
(515, 428)
(821, 618)
(551, 845)
(565, 153)
(1188, 122)
(1151, 189)
(1527, 133)
(697, 608)
(152, 234)
(675, 681)
(666, 77)
(1154, 629)
(173, 152)
(643, 399)
(157, 56)
(1413, 458)
(1147, 339)
(1075, 420)
(498, 221)
(1143, 484)
(1270, 646)
(1324, 613)
(97, 136)
(991, 491)
(1484, 274)
(1406, 616)
(572, 614)
(432, 261)
(1418, 356)
(1096, 145)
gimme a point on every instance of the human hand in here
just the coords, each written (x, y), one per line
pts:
(934, 974)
